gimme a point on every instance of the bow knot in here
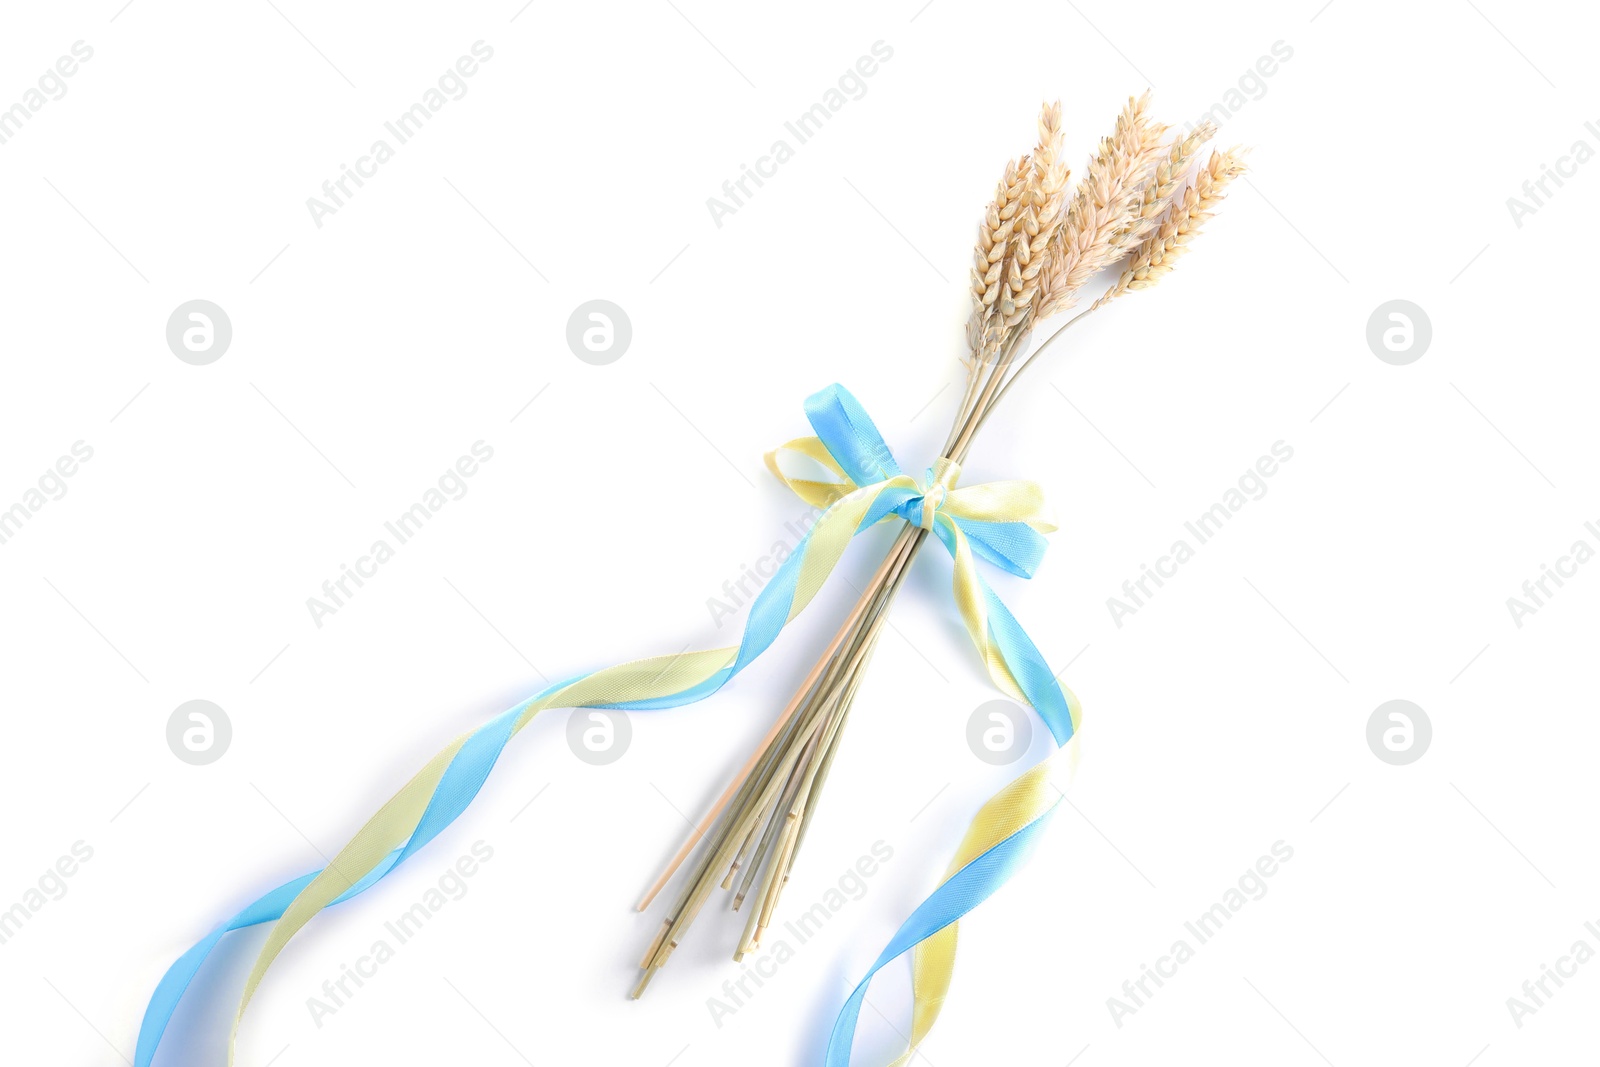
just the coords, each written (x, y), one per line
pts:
(942, 478)
(1001, 522)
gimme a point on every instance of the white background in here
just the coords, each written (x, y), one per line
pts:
(368, 354)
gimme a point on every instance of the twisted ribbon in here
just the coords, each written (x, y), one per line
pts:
(1001, 522)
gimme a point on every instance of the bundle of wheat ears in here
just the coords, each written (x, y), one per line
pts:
(1144, 196)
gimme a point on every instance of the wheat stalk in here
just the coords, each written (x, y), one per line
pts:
(1043, 198)
(1036, 247)
(1159, 253)
(1166, 182)
(1104, 205)
(989, 258)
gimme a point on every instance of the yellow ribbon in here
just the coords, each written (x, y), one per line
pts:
(846, 505)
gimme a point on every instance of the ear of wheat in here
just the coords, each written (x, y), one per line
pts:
(1038, 244)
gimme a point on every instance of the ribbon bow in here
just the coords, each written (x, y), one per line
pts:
(1002, 522)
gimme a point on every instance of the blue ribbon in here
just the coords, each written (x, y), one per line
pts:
(856, 445)
(851, 438)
